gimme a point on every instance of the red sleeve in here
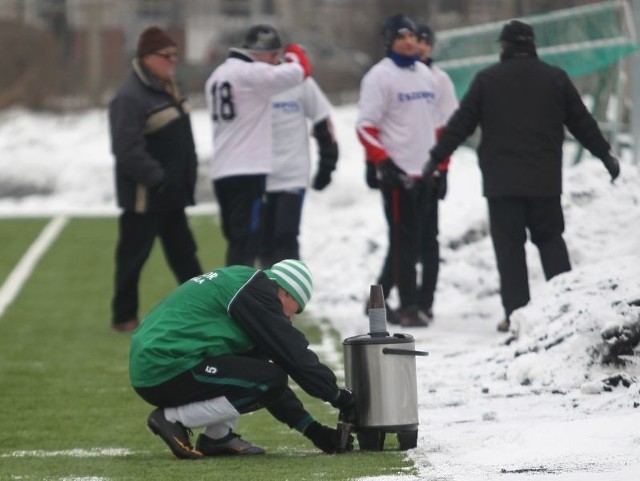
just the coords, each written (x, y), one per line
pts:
(369, 137)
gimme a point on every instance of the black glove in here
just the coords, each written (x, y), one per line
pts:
(345, 400)
(392, 176)
(429, 169)
(612, 165)
(325, 438)
(322, 178)
(440, 184)
(372, 175)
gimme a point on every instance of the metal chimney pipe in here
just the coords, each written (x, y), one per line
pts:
(377, 312)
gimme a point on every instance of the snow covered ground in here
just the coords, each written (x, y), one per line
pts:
(535, 404)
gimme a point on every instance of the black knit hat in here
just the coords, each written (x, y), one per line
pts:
(517, 32)
(262, 38)
(393, 27)
(152, 40)
(426, 33)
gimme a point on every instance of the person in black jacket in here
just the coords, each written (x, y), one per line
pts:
(522, 105)
(155, 172)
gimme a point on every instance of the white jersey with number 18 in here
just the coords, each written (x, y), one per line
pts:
(238, 95)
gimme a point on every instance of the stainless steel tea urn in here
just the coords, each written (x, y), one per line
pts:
(380, 369)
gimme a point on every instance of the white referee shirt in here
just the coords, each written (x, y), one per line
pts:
(291, 110)
(238, 95)
(402, 104)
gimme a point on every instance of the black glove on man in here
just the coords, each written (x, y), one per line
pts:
(393, 176)
(345, 400)
(372, 175)
(327, 153)
(429, 180)
(612, 165)
(325, 438)
(429, 168)
(322, 178)
(440, 184)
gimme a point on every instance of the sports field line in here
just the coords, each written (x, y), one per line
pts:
(72, 453)
(23, 270)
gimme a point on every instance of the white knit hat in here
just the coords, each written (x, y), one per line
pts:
(294, 277)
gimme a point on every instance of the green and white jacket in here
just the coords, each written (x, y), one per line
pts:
(234, 310)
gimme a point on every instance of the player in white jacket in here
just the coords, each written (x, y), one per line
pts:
(429, 249)
(238, 95)
(398, 116)
(292, 112)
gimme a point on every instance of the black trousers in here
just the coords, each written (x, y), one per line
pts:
(412, 216)
(510, 218)
(240, 201)
(136, 237)
(428, 250)
(281, 214)
(247, 383)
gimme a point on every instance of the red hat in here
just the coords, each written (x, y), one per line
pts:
(152, 40)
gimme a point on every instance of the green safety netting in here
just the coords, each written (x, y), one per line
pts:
(580, 40)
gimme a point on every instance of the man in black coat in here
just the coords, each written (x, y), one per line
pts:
(522, 105)
(155, 170)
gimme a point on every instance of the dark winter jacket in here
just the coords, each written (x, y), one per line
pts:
(258, 311)
(521, 105)
(152, 142)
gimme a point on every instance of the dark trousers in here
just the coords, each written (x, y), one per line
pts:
(399, 268)
(247, 383)
(412, 216)
(281, 214)
(240, 201)
(510, 218)
(137, 235)
(428, 249)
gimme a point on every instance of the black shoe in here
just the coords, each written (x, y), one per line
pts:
(175, 435)
(232, 444)
(504, 325)
(412, 317)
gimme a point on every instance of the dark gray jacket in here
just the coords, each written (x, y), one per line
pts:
(522, 105)
(152, 141)
(258, 310)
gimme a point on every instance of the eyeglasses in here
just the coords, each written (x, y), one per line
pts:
(167, 56)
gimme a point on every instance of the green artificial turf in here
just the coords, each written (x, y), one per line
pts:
(66, 408)
(15, 237)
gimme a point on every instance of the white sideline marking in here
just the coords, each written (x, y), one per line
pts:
(71, 453)
(23, 270)
(85, 478)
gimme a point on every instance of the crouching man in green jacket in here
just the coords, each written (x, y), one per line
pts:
(221, 345)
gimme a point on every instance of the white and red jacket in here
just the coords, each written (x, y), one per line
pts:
(398, 114)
